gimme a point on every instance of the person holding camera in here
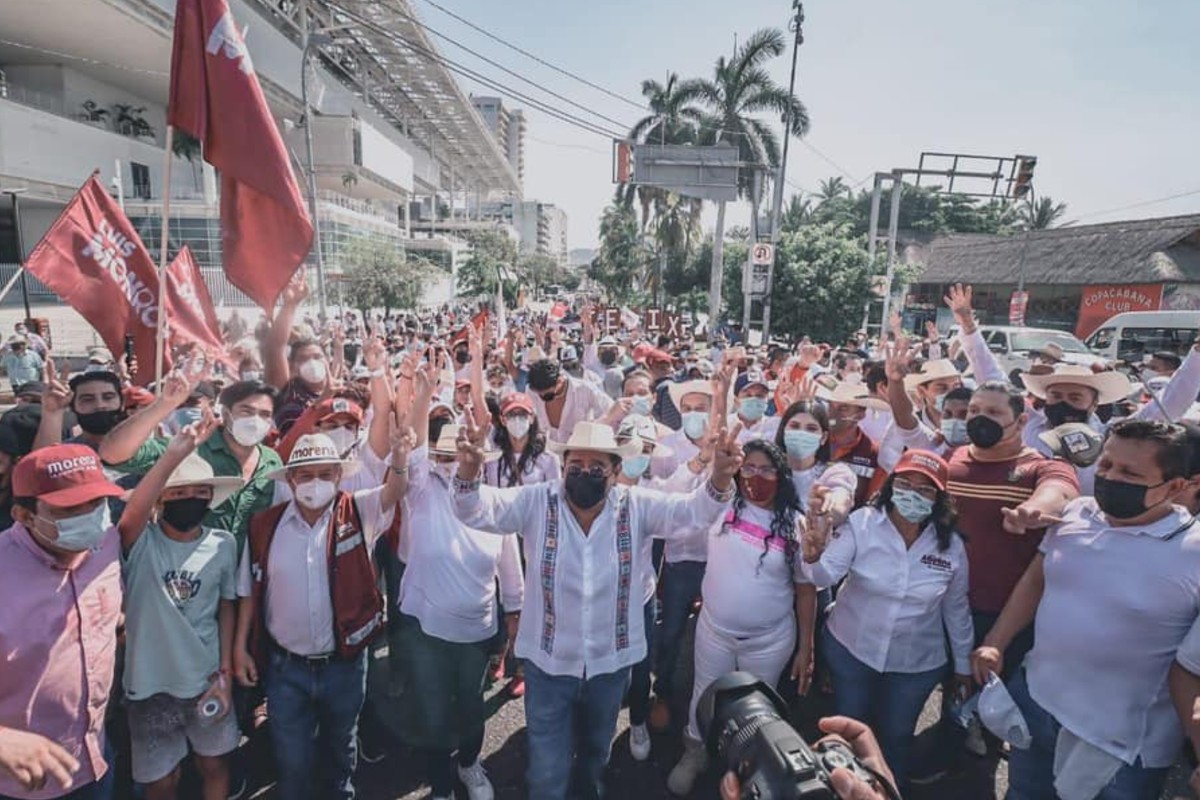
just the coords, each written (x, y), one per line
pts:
(906, 578)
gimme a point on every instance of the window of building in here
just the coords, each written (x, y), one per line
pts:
(141, 180)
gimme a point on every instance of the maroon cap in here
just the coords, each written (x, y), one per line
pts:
(462, 383)
(63, 475)
(339, 407)
(516, 400)
(931, 465)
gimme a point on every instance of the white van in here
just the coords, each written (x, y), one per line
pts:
(1135, 334)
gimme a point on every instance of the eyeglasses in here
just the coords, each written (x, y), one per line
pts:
(574, 471)
(751, 471)
(928, 492)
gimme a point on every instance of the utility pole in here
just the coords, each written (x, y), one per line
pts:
(311, 39)
(796, 25)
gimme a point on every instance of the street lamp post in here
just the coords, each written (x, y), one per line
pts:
(313, 38)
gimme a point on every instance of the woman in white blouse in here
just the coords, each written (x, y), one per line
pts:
(757, 601)
(905, 573)
(804, 435)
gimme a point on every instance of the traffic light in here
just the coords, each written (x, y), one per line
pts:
(1023, 183)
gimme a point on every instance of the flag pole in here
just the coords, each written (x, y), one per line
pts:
(160, 329)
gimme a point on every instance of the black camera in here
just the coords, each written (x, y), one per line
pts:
(744, 725)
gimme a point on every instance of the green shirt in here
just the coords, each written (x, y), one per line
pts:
(234, 514)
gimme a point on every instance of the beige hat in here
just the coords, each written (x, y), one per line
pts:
(1050, 351)
(647, 430)
(311, 449)
(849, 394)
(678, 390)
(597, 438)
(937, 370)
(195, 471)
(1110, 386)
(447, 444)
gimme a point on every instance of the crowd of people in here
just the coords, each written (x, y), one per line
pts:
(549, 502)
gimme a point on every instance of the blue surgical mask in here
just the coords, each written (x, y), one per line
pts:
(912, 505)
(801, 443)
(695, 424)
(635, 467)
(641, 405)
(954, 431)
(752, 408)
(939, 401)
(82, 531)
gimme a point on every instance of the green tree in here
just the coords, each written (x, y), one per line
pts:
(492, 254)
(740, 89)
(1043, 214)
(536, 270)
(623, 258)
(378, 274)
(832, 189)
(797, 212)
(822, 282)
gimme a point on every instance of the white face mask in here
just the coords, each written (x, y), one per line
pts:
(313, 370)
(517, 427)
(251, 375)
(343, 439)
(315, 494)
(249, 431)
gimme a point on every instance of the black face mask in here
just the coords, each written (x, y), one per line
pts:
(984, 431)
(1121, 500)
(608, 357)
(1062, 412)
(463, 356)
(99, 423)
(185, 514)
(586, 490)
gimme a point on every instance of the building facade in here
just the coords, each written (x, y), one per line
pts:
(508, 126)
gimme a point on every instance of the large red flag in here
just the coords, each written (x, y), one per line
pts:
(215, 97)
(191, 318)
(93, 259)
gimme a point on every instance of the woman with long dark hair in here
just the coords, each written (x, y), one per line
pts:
(905, 573)
(757, 600)
(804, 436)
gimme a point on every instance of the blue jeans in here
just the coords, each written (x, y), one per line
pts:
(639, 680)
(890, 702)
(1031, 772)
(570, 724)
(680, 588)
(314, 715)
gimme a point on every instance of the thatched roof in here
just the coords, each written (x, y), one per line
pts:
(1137, 251)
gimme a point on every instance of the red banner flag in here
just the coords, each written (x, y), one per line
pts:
(215, 97)
(478, 322)
(191, 318)
(93, 259)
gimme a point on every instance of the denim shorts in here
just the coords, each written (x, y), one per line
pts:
(161, 728)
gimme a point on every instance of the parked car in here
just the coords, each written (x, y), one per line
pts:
(1014, 347)
(1135, 334)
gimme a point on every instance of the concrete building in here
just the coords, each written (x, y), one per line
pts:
(84, 85)
(508, 126)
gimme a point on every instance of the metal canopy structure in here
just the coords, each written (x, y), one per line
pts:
(381, 52)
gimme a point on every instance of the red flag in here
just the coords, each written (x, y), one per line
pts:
(558, 311)
(478, 322)
(191, 318)
(93, 259)
(215, 97)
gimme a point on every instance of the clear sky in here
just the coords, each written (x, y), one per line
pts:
(1105, 93)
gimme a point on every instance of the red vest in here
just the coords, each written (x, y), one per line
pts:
(353, 586)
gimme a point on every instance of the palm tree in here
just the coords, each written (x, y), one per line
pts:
(740, 88)
(1043, 214)
(797, 212)
(671, 121)
(738, 233)
(832, 189)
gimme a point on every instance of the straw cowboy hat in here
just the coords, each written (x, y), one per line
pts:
(195, 471)
(646, 429)
(596, 437)
(851, 395)
(940, 369)
(1050, 351)
(678, 390)
(313, 449)
(1109, 386)
(447, 444)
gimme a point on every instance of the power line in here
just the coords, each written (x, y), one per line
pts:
(831, 162)
(1142, 204)
(566, 146)
(636, 104)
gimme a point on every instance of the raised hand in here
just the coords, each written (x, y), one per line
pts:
(728, 455)
(1023, 519)
(56, 399)
(402, 441)
(374, 354)
(470, 449)
(958, 299)
(296, 290)
(191, 436)
(898, 362)
(809, 354)
(176, 388)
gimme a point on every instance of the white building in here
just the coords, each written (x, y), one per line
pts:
(508, 126)
(84, 85)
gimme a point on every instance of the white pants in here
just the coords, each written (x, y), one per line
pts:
(763, 655)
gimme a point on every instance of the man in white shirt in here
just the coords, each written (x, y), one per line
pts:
(1114, 589)
(560, 401)
(310, 606)
(581, 630)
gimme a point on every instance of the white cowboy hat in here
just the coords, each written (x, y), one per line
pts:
(646, 429)
(311, 449)
(1109, 386)
(596, 437)
(849, 394)
(678, 390)
(195, 471)
(447, 444)
(937, 370)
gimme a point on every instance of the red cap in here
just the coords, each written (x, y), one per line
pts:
(136, 397)
(931, 465)
(641, 351)
(462, 383)
(516, 400)
(660, 356)
(339, 407)
(63, 475)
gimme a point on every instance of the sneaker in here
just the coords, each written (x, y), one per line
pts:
(367, 754)
(975, 744)
(476, 780)
(639, 742)
(691, 766)
(660, 715)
